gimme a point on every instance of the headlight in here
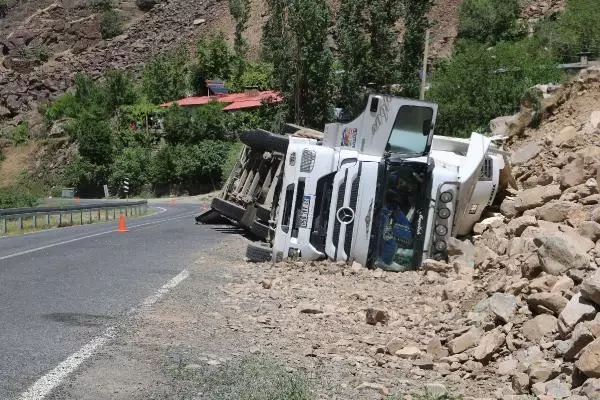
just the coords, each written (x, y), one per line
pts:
(441, 230)
(440, 246)
(446, 197)
(444, 213)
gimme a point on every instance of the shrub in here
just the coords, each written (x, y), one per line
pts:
(145, 5)
(478, 84)
(256, 74)
(488, 21)
(102, 4)
(15, 196)
(232, 157)
(20, 133)
(64, 106)
(576, 30)
(163, 78)
(110, 24)
(132, 163)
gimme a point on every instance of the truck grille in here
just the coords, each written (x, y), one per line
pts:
(353, 202)
(340, 203)
(486, 170)
(308, 160)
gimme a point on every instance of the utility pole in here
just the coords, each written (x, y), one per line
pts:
(425, 57)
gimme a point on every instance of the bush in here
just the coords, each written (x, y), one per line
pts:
(232, 157)
(102, 4)
(256, 74)
(64, 106)
(163, 78)
(145, 5)
(20, 133)
(488, 21)
(133, 163)
(110, 24)
(478, 84)
(15, 196)
(576, 30)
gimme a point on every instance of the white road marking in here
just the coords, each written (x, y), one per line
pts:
(21, 253)
(165, 289)
(44, 386)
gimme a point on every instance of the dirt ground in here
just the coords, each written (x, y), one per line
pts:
(309, 318)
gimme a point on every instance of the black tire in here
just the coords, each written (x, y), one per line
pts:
(260, 230)
(228, 209)
(259, 252)
(263, 140)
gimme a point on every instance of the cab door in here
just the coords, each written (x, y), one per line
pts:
(398, 125)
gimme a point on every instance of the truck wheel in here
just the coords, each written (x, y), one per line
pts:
(265, 141)
(228, 209)
(259, 252)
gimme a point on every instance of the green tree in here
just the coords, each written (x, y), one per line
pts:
(240, 11)
(382, 55)
(576, 30)
(477, 84)
(163, 78)
(120, 90)
(353, 50)
(94, 139)
(132, 163)
(256, 74)
(214, 60)
(413, 44)
(488, 21)
(297, 47)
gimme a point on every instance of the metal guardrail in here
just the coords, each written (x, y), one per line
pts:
(64, 214)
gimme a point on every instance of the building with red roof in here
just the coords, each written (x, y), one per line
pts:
(248, 100)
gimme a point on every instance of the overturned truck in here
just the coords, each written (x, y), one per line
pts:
(381, 190)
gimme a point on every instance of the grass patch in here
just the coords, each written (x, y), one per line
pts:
(248, 379)
(61, 220)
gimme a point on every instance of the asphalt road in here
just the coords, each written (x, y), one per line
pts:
(61, 288)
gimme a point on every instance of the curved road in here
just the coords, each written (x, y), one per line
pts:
(61, 288)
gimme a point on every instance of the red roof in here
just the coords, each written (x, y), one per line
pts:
(235, 101)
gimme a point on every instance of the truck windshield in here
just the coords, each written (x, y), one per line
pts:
(411, 129)
(401, 221)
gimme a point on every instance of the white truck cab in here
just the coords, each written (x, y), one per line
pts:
(382, 190)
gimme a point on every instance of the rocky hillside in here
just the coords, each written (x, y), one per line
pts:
(67, 33)
(515, 313)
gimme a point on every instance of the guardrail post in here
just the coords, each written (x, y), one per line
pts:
(90, 216)
(59, 219)
(21, 223)
(48, 219)
(4, 226)
(34, 221)
(71, 218)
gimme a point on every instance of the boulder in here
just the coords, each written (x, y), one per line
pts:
(563, 285)
(409, 352)
(573, 174)
(557, 389)
(525, 153)
(455, 289)
(503, 306)
(488, 345)
(589, 360)
(540, 302)
(565, 135)
(535, 197)
(465, 341)
(507, 367)
(577, 309)
(508, 208)
(559, 253)
(435, 349)
(520, 383)
(581, 337)
(590, 230)
(591, 387)
(595, 119)
(555, 211)
(541, 371)
(518, 225)
(590, 288)
(540, 326)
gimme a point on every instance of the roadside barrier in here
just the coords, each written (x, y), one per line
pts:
(19, 219)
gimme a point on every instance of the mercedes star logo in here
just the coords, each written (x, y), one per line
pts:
(345, 215)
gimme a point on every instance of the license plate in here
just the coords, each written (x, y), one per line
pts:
(304, 211)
